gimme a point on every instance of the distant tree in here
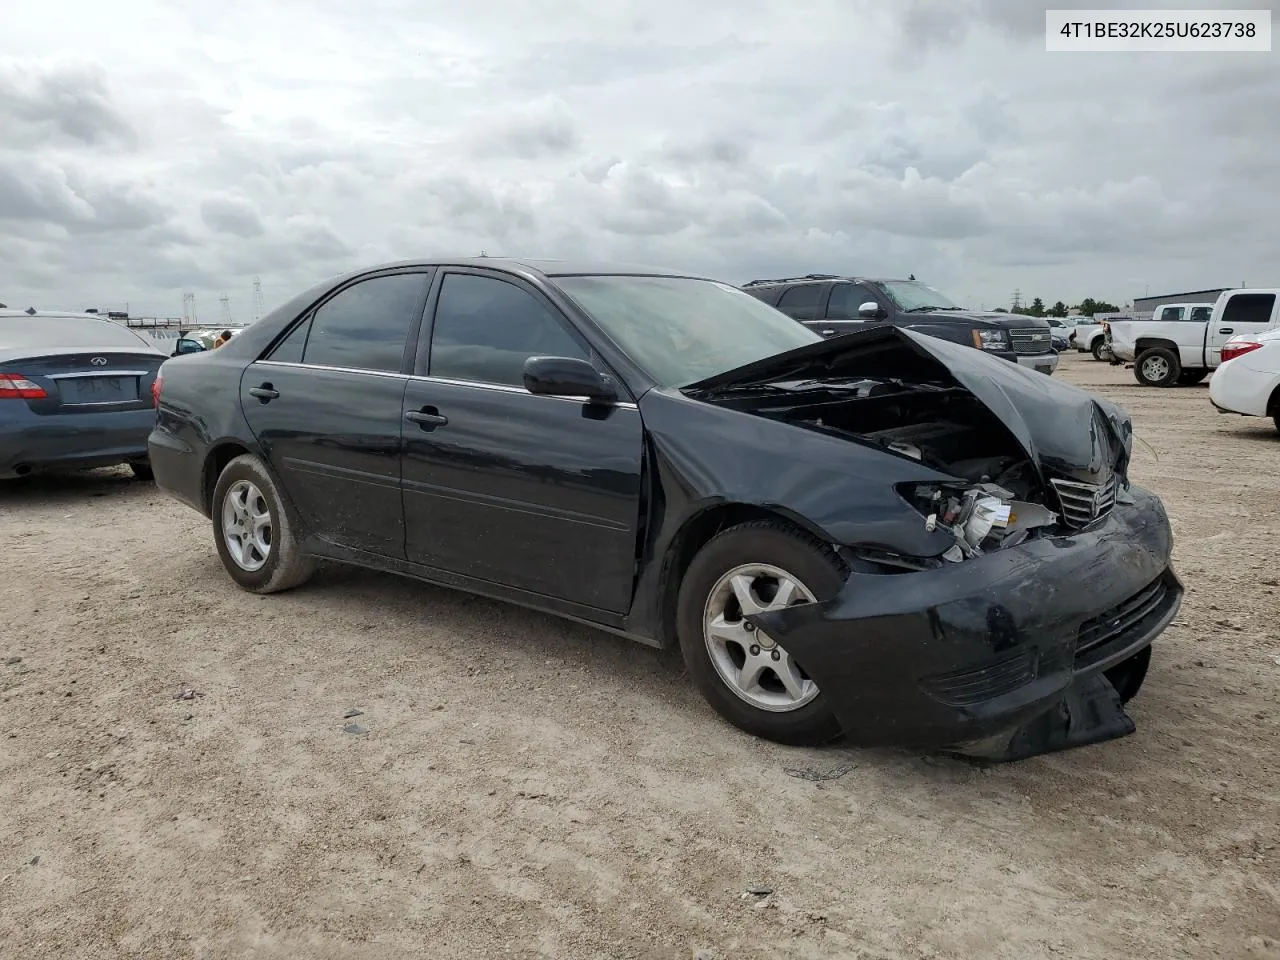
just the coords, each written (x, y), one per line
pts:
(1089, 306)
(1059, 309)
(1037, 308)
(911, 276)
(1000, 310)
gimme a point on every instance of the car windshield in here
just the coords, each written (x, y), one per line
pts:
(914, 295)
(69, 332)
(681, 330)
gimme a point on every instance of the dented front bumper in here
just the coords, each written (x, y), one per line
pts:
(973, 650)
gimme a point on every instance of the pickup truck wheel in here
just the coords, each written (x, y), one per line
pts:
(1190, 378)
(1100, 351)
(747, 677)
(1157, 367)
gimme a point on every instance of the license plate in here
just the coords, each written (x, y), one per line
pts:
(99, 389)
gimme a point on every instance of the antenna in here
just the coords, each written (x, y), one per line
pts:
(226, 309)
(259, 302)
(188, 308)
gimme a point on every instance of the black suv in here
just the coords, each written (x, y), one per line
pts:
(834, 305)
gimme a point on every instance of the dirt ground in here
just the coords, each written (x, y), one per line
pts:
(526, 787)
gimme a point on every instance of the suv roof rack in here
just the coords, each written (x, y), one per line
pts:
(807, 276)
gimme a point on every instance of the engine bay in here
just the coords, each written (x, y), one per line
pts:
(999, 501)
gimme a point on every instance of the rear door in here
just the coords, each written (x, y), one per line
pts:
(325, 407)
(1242, 313)
(533, 492)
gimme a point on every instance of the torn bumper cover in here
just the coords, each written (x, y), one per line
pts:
(1023, 650)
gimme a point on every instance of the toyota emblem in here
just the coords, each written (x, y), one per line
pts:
(99, 361)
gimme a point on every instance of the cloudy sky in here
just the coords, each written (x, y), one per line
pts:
(151, 148)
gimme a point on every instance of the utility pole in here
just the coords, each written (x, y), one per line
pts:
(226, 309)
(189, 308)
(259, 302)
(1017, 300)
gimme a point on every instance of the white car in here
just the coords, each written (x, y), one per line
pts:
(1248, 380)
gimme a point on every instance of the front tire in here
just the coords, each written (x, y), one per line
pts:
(251, 528)
(1100, 351)
(747, 678)
(1157, 367)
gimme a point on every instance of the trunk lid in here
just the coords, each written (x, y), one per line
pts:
(83, 380)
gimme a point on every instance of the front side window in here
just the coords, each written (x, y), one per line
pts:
(845, 300)
(485, 329)
(365, 326)
(681, 330)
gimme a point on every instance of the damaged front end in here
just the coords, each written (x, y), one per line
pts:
(1007, 605)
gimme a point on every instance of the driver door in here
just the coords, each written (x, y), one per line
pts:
(537, 493)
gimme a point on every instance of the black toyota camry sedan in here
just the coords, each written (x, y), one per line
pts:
(883, 535)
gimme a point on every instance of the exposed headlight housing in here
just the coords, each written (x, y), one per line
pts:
(990, 339)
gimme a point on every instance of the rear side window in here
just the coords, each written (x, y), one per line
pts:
(801, 302)
(1249, 308)
(846, 298)
(1171, 314)
(485, 329)
(1201, 314)
(365, 326)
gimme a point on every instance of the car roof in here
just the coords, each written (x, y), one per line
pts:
(546, 267)
(828, 278)
(11, 313)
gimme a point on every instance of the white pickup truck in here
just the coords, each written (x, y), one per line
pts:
(1182, 343)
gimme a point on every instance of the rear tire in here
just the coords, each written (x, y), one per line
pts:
(142, 471)
(252, 530)
(1190, 378)
(764, 555)
(1157, 367)
(1100, 351)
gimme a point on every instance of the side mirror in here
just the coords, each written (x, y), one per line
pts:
(567, 377)
(869, 310)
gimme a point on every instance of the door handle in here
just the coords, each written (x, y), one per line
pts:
(1226, 329)
(428, 418)
(828, 332)
(266, 393)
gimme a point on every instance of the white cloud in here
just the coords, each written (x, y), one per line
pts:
(295, 140)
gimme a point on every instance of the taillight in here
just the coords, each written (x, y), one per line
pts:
(1238, 347)
(14, 386)
(156, 386)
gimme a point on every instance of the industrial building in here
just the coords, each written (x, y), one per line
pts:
(1146, 306)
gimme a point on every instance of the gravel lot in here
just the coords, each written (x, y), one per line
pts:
(529, 788)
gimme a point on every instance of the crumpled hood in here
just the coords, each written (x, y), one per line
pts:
(1064, 430)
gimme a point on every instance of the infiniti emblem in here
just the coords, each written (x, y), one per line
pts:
(99, 361)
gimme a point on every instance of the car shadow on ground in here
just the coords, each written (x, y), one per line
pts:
(71, 485)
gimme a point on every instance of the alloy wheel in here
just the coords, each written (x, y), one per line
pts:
(246, 526)
(750, 663)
